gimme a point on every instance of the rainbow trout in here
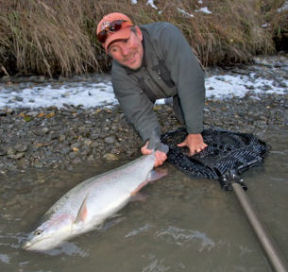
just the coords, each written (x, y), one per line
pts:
(87, 205)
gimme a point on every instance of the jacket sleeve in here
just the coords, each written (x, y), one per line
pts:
(186, 73)
(135, 104)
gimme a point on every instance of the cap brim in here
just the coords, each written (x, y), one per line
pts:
(122, 34)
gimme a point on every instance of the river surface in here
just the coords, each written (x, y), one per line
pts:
(182, 224)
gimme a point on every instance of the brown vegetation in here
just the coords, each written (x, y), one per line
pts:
(53, 37)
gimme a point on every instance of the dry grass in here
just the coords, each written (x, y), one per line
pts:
(55, 37)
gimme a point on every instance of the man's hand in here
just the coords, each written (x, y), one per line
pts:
(160, 157)
(194, 142)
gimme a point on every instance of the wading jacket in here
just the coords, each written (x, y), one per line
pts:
(169, 69)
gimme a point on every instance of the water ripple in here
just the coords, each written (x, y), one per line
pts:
(182, 237)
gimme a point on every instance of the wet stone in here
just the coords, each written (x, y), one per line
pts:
(22, 163)
(87, 142)
(95, 136)
(2, 151)
(90, 158)
(16, 156)
(110, 157)
(32, 113)
(18, 98)
(41, 131)
(76, 146)
(38, 164)
(76, 161)
(21, 147)
(110, 140)
(62, 138)
(11, 151)
(73, 155)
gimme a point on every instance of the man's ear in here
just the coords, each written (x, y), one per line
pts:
(139, 32)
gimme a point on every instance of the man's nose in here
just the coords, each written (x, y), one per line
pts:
(125, 50)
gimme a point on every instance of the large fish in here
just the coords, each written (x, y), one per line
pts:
(89, 203)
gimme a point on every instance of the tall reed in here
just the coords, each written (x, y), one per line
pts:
(57, 37)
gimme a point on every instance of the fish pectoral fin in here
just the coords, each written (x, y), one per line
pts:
(83, 211)
(153, 175)
(157, 173)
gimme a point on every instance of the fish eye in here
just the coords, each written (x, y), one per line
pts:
(37, 232)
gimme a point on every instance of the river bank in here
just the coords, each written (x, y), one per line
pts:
(64, 137)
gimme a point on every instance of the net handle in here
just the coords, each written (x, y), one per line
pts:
(269, 246)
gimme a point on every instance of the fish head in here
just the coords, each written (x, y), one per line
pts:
(49, 234)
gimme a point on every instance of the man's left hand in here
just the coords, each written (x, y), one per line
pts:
(194, 142)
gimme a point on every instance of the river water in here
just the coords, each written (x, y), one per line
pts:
(182, 224)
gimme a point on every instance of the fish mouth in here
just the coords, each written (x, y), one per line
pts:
(40, 245)
(29, 245)
(26, 245)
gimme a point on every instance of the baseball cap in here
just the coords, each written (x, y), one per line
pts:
(113, 26)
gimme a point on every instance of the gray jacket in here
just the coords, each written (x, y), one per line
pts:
(169, 69)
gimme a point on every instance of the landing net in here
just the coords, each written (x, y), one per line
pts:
(227, 151)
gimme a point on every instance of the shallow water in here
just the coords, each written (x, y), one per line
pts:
(182, 225)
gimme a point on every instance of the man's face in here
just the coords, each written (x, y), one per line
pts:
(128, 52)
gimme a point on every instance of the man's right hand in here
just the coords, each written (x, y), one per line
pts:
(160, 157)
(194, 142)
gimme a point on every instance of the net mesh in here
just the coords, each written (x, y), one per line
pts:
(226, 151)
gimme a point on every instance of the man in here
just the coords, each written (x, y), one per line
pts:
(150, 62)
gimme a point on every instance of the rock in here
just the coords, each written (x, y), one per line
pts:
(40, 131)
(37, 164)
(95, 136)
(62, 138)
(90, 158)
(11, 151)
(110, 140)
(76, 161)
(16, 156)
(73, 155)
(88, 142)
(110, 157)
(2, 151)
(18, 98)
(21, 147)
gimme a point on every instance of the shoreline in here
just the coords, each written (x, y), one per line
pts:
(66, 137)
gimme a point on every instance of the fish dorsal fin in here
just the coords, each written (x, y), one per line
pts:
(82, 213)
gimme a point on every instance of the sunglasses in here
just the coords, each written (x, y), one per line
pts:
(114, 26)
